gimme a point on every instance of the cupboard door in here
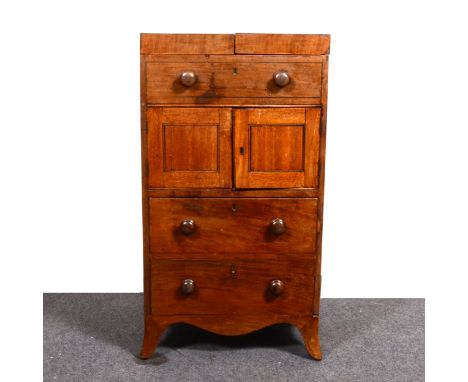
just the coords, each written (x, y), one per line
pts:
(277, 147)
(189, 147)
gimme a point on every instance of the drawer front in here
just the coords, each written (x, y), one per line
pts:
(228, 225)
(219, 82)
(215, 287)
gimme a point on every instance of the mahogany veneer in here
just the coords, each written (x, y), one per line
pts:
(233, 155)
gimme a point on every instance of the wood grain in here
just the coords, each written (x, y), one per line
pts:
(278, 116)
(187, 158)
(232, 225)
(153, 332)
(312, 142)
(144, 188)
(246, 153)
(255, 43)
(218, 80)
(191, 147)
(233, 58)
(239, 256)
(232, 193)
(243, 292)
(310, 333)
(152, 43)
(206, 101)
(284, 148)
(323, 140)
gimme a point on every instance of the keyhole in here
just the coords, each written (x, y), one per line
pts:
(241, 151)
(234, 72)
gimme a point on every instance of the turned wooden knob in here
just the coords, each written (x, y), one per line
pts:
(188, 78)
(281, 78)
(277, 226)
(276, 287)
(187, 227)
(188, 286)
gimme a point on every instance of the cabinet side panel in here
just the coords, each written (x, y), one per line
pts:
(323, 140)
(144, 190)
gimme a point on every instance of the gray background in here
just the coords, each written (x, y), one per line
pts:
(96, 337)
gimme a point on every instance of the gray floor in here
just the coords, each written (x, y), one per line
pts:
(95, 337)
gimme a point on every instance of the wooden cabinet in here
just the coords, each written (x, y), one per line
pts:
(233, 149)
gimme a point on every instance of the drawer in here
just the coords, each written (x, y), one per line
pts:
(215, 287)
(226, 82)
(232, 225)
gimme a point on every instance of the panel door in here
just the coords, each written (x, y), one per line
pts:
(189, 147)
(277, 147)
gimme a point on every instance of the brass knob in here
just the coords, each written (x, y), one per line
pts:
(276, 287)
(277, 226)
(187, 227)
(281, 78)
(188, 78)
(188, 286)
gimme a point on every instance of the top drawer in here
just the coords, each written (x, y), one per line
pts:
(234, 80)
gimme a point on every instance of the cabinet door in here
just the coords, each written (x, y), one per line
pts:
(189, 147)
(277, 147)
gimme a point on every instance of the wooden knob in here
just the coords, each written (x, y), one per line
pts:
(188, 78)
(281, 78)
(188, 286)
(277, 226)
(276, 287)
(187, 227)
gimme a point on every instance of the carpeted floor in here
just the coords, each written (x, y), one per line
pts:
(96, 337)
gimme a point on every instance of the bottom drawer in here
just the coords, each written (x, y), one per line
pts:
(237, 286)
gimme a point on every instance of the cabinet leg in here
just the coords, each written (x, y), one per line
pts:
(153, 333)
(310, 334)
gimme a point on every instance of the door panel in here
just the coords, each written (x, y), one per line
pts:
(188, 139)
(189, 147)
(285, 148)
(270, 147)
